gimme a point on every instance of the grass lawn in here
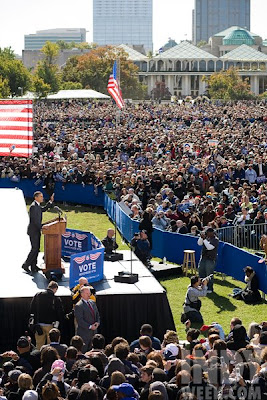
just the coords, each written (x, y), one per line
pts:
(217, 307)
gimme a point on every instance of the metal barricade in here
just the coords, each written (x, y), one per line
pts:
(247, 235)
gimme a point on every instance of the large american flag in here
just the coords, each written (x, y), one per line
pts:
(113, 87)
(16, 128)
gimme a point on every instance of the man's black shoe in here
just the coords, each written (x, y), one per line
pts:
(26, 269)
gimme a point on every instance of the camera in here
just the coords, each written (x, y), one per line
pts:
(208, 278)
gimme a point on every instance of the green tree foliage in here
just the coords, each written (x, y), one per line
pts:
(39, 87)
(71, 85)
(92, 70)
(4, 88)
(228, 85)
(47, 69)
(73, 45)
(13, 72)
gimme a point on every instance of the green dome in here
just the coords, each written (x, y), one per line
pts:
(238, 37)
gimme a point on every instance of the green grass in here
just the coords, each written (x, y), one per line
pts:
(217, 307)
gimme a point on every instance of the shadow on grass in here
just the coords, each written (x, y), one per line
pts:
(222, 302)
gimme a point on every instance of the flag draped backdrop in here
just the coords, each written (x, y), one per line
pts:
(114, 89)
(16, 136)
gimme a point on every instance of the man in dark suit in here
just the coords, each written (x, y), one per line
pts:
(87, 318)
(34, 230)
(54, 336)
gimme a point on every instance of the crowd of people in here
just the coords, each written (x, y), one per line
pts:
(209, 365)
(188, 165)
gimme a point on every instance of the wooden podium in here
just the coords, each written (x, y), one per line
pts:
(52, 231)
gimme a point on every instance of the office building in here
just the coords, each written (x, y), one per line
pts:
(212, 16)
(123, 22)
(37, 40)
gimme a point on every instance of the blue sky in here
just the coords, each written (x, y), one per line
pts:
(172, 18)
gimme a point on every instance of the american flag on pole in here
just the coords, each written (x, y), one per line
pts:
(114, 89)
(16, 128)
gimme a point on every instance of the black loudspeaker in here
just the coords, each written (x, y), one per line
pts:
(126, 277)
(113, 257)
(54, 275)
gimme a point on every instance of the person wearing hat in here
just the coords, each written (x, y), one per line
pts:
(209, 243)
(125, 391)
(29, 360)
(12, 384)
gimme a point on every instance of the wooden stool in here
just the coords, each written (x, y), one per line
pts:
(189, 262)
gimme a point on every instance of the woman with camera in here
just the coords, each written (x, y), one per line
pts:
(192, 304)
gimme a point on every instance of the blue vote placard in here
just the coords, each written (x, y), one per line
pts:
(87, 265)
(74, 241)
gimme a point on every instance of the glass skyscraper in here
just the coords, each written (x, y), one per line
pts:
(123, 22)
(213, 16)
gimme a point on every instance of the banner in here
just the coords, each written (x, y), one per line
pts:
(74, 242)
(87, 265)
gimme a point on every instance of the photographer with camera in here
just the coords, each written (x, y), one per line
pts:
(141, 247)
(207, 262)
(192, 304)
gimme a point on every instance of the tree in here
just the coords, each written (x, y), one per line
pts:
(93, 69)
(228, 85)
(201, 43)
(39, 87)
(4, 88)
(71, 85)
(13, 72)
(47, 69)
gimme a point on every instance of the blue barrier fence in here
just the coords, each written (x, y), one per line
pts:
(71, 193)
(231, 260)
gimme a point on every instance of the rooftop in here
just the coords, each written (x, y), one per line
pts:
(244, 53)
(133, 54)
(187, 51)
(238, 37)
(234, 28)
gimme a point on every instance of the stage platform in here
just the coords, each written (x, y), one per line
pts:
(123, 307)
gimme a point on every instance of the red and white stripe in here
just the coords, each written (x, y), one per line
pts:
(79, 260)
(16, 133)
(115, 92)
(95, 256)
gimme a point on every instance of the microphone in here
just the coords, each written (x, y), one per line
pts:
(60, 212)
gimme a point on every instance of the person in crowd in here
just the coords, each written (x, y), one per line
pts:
(160, 221)
(54, 337)
(109, 242)
(209, 243)
(87, 317)
(181, 228)
(47, 311)
(34, 230)
(146, 330)
(141, 247)
(250, 294)
(192, 303)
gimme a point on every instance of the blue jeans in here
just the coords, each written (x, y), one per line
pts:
(205, 268)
